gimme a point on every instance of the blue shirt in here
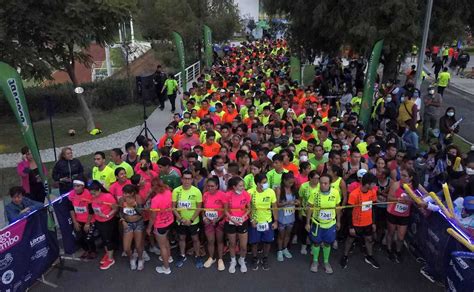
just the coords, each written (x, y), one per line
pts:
(13, 210)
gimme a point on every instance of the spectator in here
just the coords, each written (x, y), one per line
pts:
(20, 206)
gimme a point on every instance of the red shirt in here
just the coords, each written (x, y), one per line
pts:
(163, 201)
(102, 206)
(81, 202)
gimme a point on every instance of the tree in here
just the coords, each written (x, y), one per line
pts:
(43, 36)
(158, 18)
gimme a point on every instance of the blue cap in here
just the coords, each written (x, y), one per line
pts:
(469, 203)
(212, 109)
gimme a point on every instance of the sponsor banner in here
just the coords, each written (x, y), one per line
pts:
(460, 272)
(27, 250)
(63, 216)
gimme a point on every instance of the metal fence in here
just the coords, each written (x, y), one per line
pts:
(192, 73)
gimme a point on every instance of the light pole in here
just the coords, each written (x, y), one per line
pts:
(421, 52)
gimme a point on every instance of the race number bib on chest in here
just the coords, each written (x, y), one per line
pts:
(261, 227)
(366, 206)
(401, 208)
(211, 215)
(129, 211)
(80, 210)
(325, 215)
(289, 211)
(184, 204)
(236, 219)
(97, 210)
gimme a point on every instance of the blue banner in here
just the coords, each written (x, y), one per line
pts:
(27, 250)
(460, 272)
(63, 215)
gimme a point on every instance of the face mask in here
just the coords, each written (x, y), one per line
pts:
(431, 92)
(345, 147)
(389, 99)
(469, 171)
(450, 114)
(238, 192)
(402, 99)
(303, 158)
(265, 186)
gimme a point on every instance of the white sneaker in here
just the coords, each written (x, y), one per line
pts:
(287, 253)
(124, 254)
(280, 256)
(170, 259)
(141, 265)
(294, 240)
(210, 261)
(133, 264)
(335, 245)
(233, 263)
(243, 267)
(220, 265)
(163, 270)
(155, 250)
(145, 256)
(303, 250)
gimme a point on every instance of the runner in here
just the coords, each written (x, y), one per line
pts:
(237, 209)
(322, 221)
(188, 199)
(360, 219)
(305, 192)
(213, 200)
(287, 198)
(105, 208)
(116, 189)
(261, 230)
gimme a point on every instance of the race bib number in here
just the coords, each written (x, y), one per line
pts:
(97, 211)
(80, 210)
(211, 215)
(184, 204)
(401, 208)
(325, 215)
(236, 219)
(261, 227)
(129, 211)
(366, 206)
(289, 211)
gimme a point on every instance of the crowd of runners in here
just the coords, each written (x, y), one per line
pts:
(258, 166)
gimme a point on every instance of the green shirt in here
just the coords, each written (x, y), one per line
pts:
(172, 179)
(261, 204)
(443, 79)
(128, 168)
(274, 178)
(305, 193)
(105, 176)
(171, 86)
(315, 162)
(325, 204)
(187, 199)
(249, 181)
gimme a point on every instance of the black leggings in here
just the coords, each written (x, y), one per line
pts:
(109, 233)
(86, 239)
(172, 99)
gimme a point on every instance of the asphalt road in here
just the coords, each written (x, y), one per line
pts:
(291, 275)
(464, 105)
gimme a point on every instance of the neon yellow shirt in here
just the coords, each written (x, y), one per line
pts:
(443, 79)
(105, 176)
(249, 181)
(274, 178)
(261, 204)
(187, 199)
(171, 86)
(321, 200)
(305, 193)
(128, 168)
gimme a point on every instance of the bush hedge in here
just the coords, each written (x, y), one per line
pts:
(104, 95)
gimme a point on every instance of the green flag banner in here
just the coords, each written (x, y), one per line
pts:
(208, 45)
(178, 40)
(295, 72)
(12, 87)
(367, 98)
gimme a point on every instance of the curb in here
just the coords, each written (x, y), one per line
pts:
(453, 87)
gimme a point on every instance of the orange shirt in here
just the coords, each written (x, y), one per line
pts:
(228, 117)
(292, 168)
(210, 150)
(362, 215)
(202, 112)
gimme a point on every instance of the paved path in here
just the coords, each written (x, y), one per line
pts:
(291, 275)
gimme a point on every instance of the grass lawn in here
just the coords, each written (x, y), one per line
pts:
(308, 74)
(109, 122)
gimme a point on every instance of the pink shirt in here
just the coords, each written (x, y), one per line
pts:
(236, 201)
(163, 201)
(116, 189)
(80, 202)
(146, 176)
(192, 141)
(102, 205)
(212, 201)
(400, 209)
(300, 179)
(144, 192)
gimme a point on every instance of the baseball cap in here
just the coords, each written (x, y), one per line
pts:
(469, 203)
(361, 172)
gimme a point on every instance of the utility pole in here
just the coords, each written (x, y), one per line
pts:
(421, 52)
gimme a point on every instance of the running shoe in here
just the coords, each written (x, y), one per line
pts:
(155, 250)
(328, 268)
(314, 267)
(209, 262)
(145, 256)
(163, 270)
(280, 256)
(243, 266)
(220, 265)
(104, 258)
(265, 264)
(344, 261)
(141, 265)
(107, 264)
(335, 245)
(287, 253)
(133, 264)
(255, 263)
(199, 263)
(371, 261)
(233, 263)
(180, 261)
(170, 259)
(303, 250)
